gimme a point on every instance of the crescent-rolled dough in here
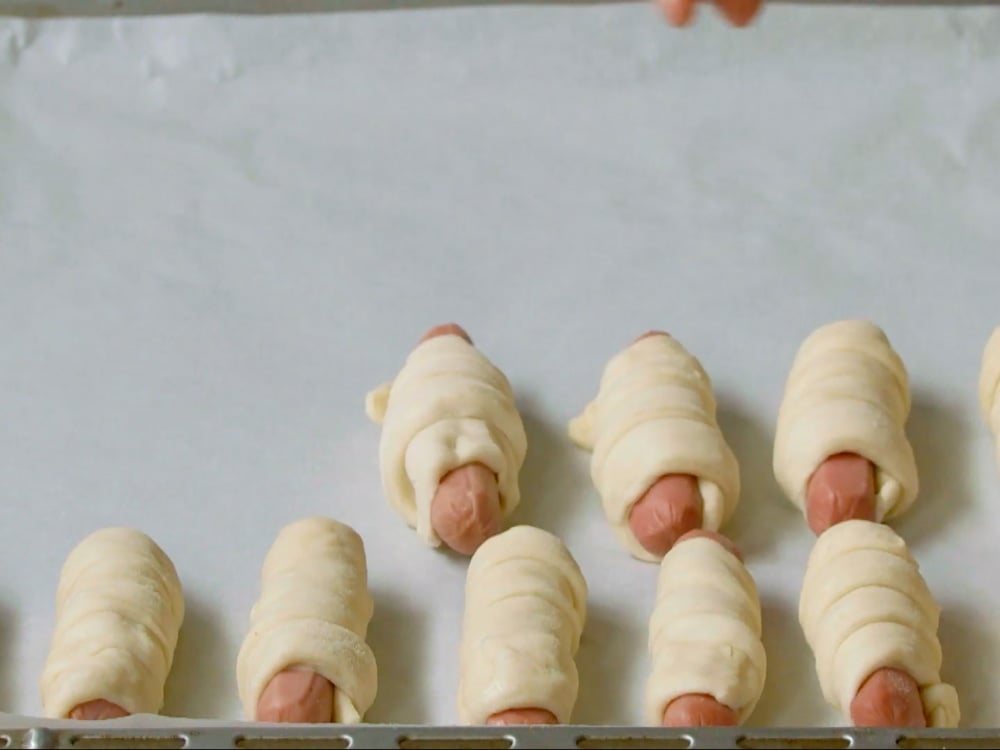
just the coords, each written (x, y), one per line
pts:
(847, 392)
(655, 415)
(313, 612)
(119, 609)
(705, 631)
(449, 406)
(525, 608)
(864, 606)
(989, 386)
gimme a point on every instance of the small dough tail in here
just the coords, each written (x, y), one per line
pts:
(941, 706)
(376, 403)
(581, 428)
(344, 710)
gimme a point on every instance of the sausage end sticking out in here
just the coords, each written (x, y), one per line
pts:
(738, 12)
(841, 489)
(465, 511)
(677, 12)
(668, 510)
(296, 696)
(97, 710)
(446, 329)
(647, 334)
(521, 717)
(698, 710)
(888, 698)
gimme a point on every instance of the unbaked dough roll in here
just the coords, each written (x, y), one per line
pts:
(448, 407)
(525, 608)
(705, 631)
(119, 608)
(989, 386)
(864, 606)
(313, 612)
(847, 392)
(655, 415)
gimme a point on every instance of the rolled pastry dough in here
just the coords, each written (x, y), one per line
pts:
(449, 406)
(313, 612)
(655, 415)
(525, 608)
(705, 632)
(989, 386)
(864, 606)
(847, 392)
(119, 608)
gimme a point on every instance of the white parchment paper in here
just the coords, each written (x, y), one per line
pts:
(216, 234)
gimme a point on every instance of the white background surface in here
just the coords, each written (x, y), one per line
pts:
(217, 234)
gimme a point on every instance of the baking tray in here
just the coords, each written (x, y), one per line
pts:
(140, 732)
(390, 737)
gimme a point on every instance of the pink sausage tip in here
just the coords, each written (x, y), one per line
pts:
(465, 511)
(670, 508)
(888, 698)
(296, 696)
(446, 329)
(842, 488)
(698, 710)
(97, 710)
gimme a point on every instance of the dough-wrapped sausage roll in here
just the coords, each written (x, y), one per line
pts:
(847, 393)
(313, 612)
(119, 608)
(525, 608)
(705, 631)
(989, 386)
(864, 607)
(448, 407)
(655, 415)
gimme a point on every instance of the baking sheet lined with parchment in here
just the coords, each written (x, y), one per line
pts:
(217, 233)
